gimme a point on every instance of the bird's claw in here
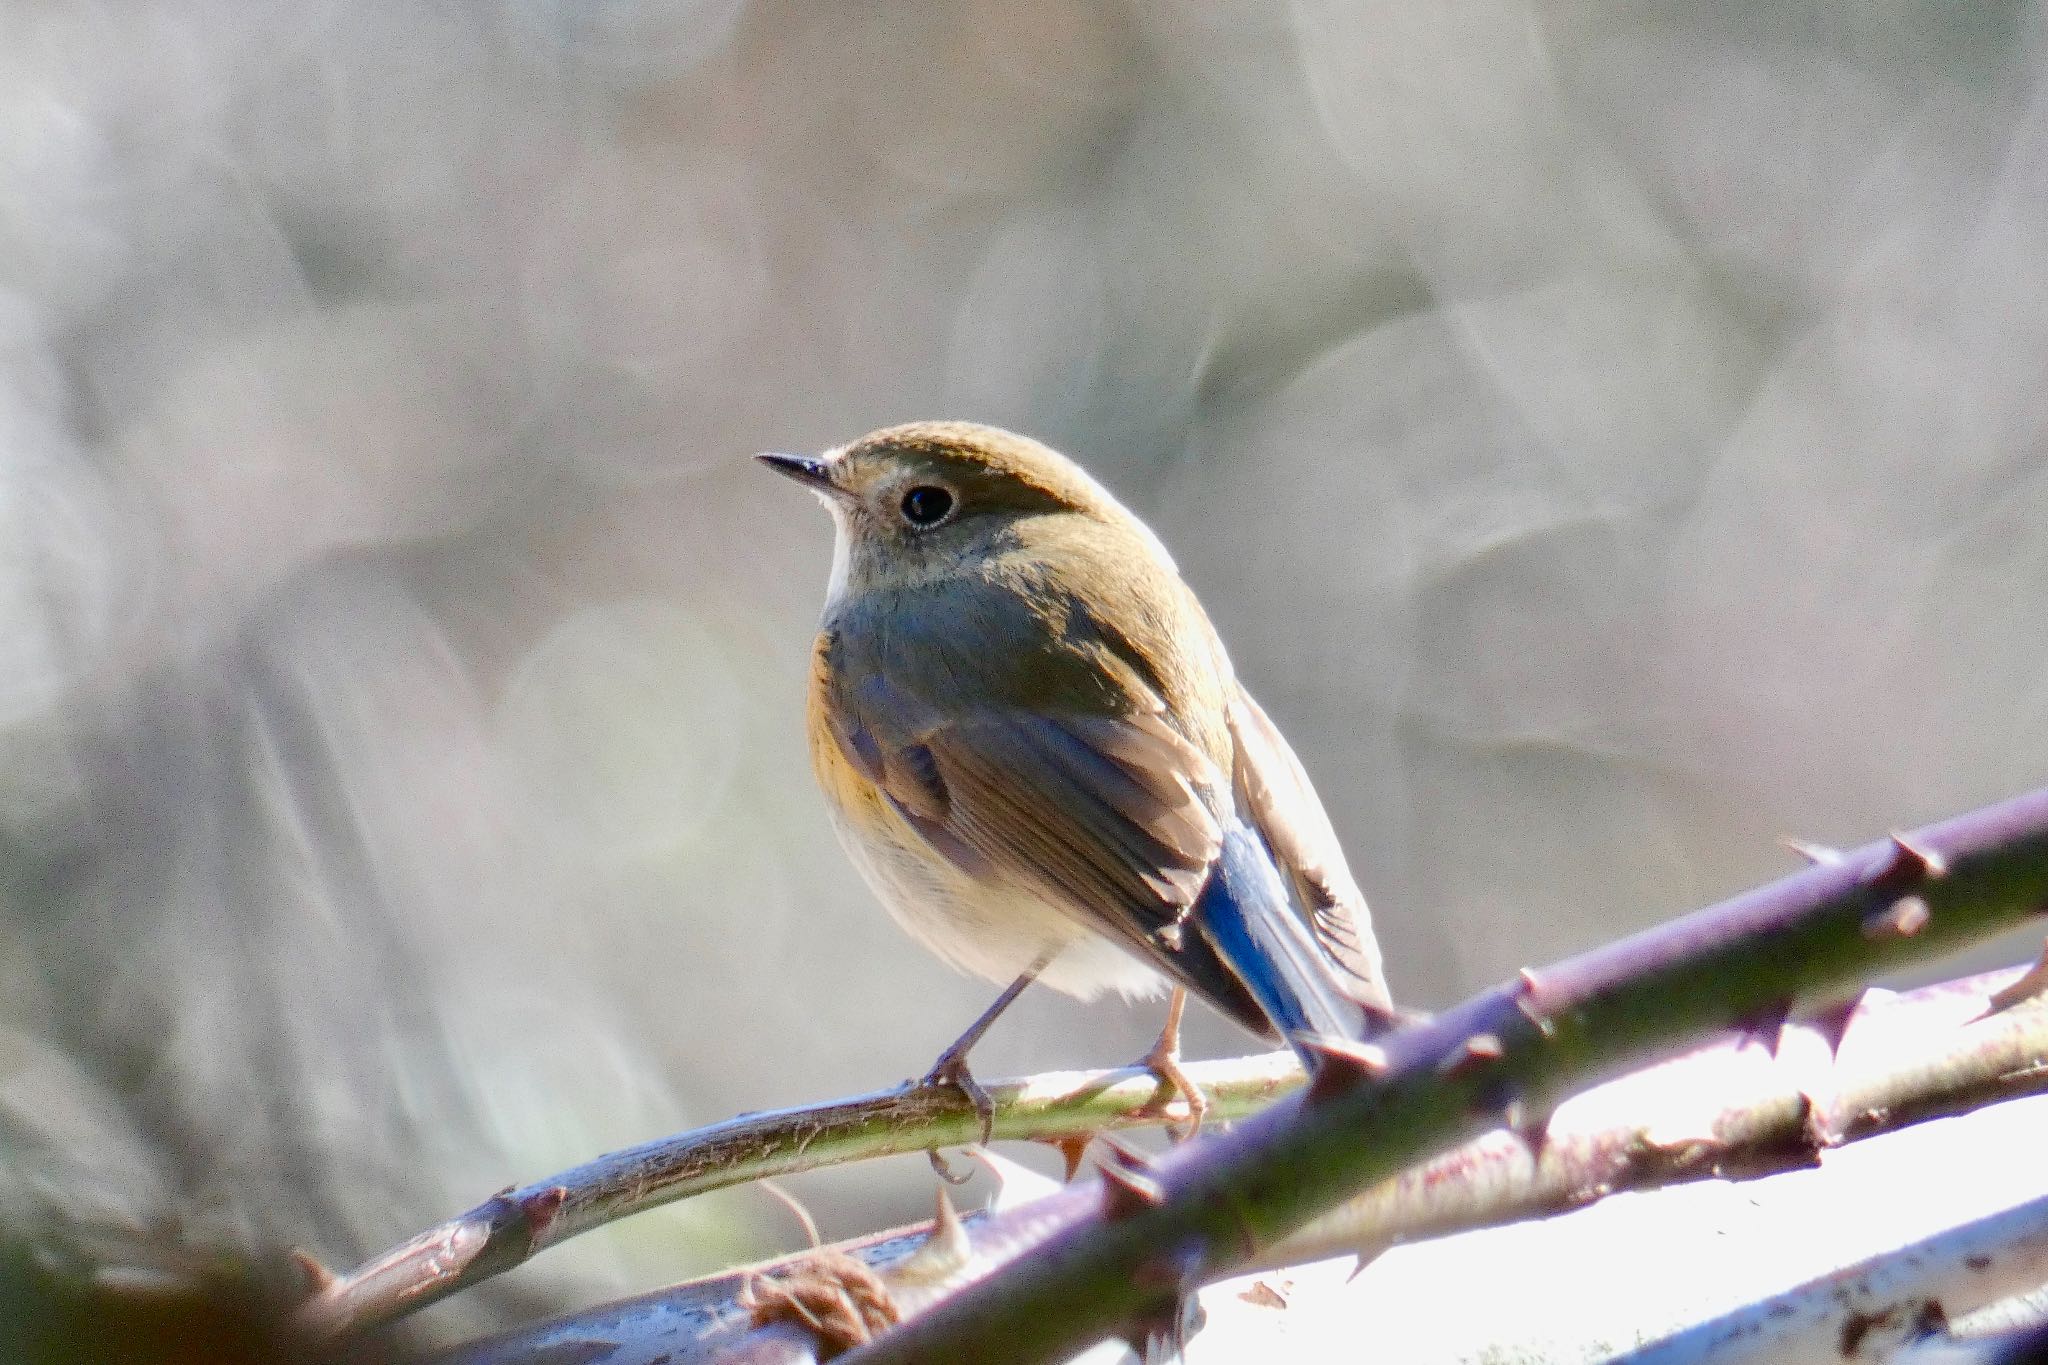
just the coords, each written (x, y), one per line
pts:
(943, 1169)
(950, 1072)
(1163, 1061)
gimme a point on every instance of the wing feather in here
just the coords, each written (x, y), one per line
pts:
(1110, 817)
(1274, 794)
(1072, 822)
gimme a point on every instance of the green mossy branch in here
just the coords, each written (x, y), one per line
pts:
(511, 1227)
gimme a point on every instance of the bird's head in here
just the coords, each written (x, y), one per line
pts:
(921, 500)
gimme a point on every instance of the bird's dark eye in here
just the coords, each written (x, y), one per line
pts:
(926, 505)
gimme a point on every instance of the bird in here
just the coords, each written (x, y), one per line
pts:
(1038, 755)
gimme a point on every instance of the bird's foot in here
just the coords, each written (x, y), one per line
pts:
(1163, 1061)
(950, 1073)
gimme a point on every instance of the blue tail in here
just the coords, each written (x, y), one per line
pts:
(1247, 915)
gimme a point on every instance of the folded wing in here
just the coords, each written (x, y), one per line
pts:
(1109, 817)
(1275, 797)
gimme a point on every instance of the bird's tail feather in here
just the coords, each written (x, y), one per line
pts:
(1247, 915)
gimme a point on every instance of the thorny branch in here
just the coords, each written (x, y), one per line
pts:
(1063, 1108)
(1117, 1256)
(1735, 1109)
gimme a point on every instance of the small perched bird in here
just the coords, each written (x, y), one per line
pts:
(1035, 750)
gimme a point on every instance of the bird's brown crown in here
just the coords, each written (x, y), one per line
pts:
(989, 467)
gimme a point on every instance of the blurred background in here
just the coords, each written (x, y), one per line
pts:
(1610, 435)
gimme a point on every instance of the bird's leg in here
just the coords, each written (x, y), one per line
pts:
(1163, 1061)
(951, 1067)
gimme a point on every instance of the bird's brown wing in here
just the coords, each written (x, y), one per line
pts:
(1274, 795)
(1099, 815)
(1109, 816)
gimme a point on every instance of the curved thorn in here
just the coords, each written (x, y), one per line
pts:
(1831, 1021)
(945, 1248)
(1481, 1049)
(1907, 866)
(1339, 1063)
(1903, 918)
(1765, 1025)
(1820, 855)
(1071, 1149)
(2024, 987)
(1126, 1193)
(1131, 1158)
(315, 1275)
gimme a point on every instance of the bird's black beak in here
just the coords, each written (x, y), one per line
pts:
(808, 470)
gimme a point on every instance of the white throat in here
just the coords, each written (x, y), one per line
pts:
(835, 586)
